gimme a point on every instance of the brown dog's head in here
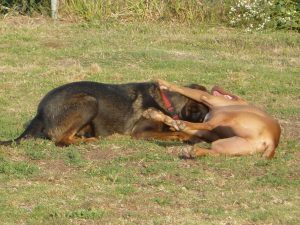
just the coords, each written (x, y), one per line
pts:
(188, 109)
(194, 111)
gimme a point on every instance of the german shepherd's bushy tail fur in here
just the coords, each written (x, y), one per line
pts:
(33, 130)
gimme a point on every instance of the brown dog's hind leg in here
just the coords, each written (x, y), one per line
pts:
(234, 146)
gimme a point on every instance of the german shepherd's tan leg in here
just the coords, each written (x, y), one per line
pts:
(68, 137)
(194, 129)
(72, 139)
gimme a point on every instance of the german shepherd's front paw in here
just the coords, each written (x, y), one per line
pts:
(154, 114)
(178, 125)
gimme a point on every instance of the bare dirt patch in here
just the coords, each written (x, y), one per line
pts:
(54, 170)
(108, 153)
(53, 44)
(290, 129)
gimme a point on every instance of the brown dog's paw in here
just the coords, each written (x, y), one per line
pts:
(163, 85)
(187, 153)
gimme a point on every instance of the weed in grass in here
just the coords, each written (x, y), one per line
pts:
(156, 182)
(215, 211)
(113, 173)
(73, 156)
(277, 180)
(85, 214)
(42, 214)
(162, 201)
(34, 151)
(17, 169)
(259, 215)
(125, 190)
(158, 168)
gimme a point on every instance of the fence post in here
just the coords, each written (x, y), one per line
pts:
(54, 9)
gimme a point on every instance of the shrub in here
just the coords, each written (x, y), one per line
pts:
(24, 6)
(286, 14)
(261, 14)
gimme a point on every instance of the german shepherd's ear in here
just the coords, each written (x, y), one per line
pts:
(194, 111)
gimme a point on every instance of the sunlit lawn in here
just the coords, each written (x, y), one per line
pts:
(124, 181)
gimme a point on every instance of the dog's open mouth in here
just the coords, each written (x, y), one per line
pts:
(218, 91)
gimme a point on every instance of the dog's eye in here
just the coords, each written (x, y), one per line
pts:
(196, 109)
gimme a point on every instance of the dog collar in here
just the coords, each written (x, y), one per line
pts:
(168, 105)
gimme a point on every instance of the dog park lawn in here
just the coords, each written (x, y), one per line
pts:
(119, 180)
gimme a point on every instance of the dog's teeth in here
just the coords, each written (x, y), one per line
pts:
(228, 96)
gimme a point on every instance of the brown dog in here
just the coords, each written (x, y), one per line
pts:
(233, 126)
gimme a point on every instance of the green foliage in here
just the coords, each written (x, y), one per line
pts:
(261, 14)
(250, 14)
(286, 14)
(24, 6)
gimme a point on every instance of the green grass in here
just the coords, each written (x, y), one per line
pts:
(119, 180)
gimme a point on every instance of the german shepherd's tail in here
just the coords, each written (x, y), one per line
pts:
(33, 130)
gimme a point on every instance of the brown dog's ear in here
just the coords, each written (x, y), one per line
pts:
(194, 111)
(197, 87)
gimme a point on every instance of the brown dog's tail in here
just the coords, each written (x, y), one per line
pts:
(33, 130)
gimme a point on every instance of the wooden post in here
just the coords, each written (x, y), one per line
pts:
(54, 9)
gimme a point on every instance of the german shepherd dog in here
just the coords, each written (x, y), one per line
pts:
(82, 111)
